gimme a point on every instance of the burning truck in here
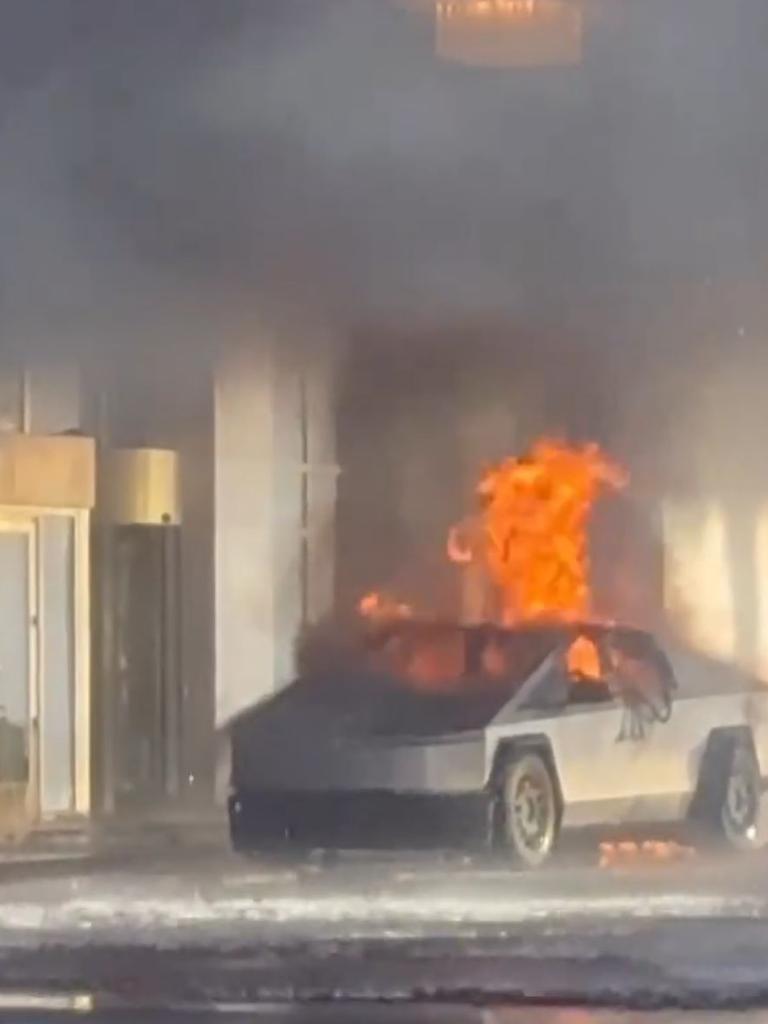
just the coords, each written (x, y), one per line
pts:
(509, 731)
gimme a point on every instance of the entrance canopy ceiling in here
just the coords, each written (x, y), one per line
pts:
(47, 472)
(509, 33)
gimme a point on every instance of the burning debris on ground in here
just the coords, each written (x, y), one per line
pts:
(631, 854)
(379, 607)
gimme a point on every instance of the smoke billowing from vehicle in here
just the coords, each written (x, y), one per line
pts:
(322, 153)
(174, 172)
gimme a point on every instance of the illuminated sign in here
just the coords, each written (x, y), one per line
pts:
(509, 33)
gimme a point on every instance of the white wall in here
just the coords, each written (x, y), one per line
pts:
(258, 505)
(716, 578)
(244, 528)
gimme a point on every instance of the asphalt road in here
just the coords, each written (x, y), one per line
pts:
(217, 893)
(28, 1014)
(215, 930)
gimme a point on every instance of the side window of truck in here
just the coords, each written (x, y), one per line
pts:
(640, 674)
(586, 672)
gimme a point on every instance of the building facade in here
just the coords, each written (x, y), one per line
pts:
(47, 493)
(158, 561)
(166, 536)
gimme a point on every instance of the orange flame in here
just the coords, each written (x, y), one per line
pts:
(630, 854)
(583, 659)
(380, 607)
(486, 8)
(532, 535)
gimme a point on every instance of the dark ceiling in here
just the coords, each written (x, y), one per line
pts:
(318, 153)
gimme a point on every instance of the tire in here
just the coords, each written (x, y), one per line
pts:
(529, 819)
(734, 818)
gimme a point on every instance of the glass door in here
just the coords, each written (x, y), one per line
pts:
(18, 711)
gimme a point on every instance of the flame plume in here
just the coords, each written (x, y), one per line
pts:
(531, 533)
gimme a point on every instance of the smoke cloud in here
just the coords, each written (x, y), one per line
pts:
(505, 252)
(170, 170)
(187, 157)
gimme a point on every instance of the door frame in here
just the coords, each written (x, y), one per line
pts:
(26, 526)
(12, 518)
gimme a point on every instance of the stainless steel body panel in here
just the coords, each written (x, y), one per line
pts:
(608, 776)
(452, 764)
(448, 765)
(612, 768)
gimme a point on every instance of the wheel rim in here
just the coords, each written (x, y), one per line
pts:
(741, 804)
(530, 817)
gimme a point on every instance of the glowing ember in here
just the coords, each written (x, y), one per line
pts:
(509, 33)
(380, 607)
(533, 529)
(485, 8)
(653, 852)
(583, 659)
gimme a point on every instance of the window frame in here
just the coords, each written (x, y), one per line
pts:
(651, 656)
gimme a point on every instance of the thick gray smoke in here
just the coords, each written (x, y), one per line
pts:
(183, 157)
(170, 171)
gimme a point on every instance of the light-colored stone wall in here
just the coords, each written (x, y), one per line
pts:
(262, 390)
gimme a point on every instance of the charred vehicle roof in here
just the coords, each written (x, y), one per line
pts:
(429, 678)
(435, 729)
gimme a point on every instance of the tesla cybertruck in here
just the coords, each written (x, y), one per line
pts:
(505, 738)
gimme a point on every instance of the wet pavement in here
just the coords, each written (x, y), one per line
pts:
(223, 898)
(31, 1014)
(211, 929)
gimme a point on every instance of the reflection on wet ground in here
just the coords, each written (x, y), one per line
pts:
(31, 1009)
(218, 929)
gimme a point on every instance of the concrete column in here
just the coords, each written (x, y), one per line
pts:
(761, 579)
(274, 512)
(321, 472)
(698, 595)
(716, 568)
(245, 520)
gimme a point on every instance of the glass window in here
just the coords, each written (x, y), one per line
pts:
(14, 658)
(425, 658)
(639, 671)
(507, 658)
(583, 659)
(57, 543)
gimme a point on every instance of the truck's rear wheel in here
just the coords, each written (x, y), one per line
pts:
(529, 806)
(739, 813)
(728, 803)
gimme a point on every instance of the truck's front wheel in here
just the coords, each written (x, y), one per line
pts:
(529, 806)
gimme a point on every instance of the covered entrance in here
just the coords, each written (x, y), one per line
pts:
(45, 635)
(19, 697)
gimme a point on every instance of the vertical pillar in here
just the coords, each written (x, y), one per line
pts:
(274, 512)
(193, 437)
(321, 474)
(104, 705)
(761, 575)
(245, 521)
(698, 595)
